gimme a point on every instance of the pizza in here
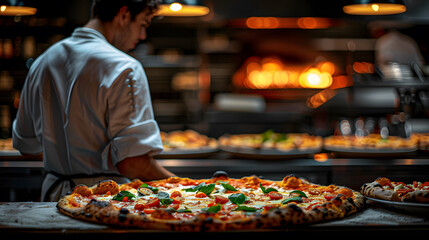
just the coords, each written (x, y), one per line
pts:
(385, 189)
(187, 139)
(372, 141)
(423, 141)
(272, 140)
(6, 145)
(219, 203)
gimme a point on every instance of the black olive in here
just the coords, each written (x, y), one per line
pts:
(124, 211)
(163, 195)
(220, 174)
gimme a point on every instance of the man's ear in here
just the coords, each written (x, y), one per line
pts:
(123, 15)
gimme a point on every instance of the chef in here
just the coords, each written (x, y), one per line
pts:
(86, 106)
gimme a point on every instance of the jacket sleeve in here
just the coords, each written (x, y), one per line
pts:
(131, 125)
(24, 133)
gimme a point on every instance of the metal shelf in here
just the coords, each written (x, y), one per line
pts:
(367, 80)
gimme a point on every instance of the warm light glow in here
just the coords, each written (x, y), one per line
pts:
(275, 22)
(374, 9)
(272, 73)
(363, 67)
(262, 22)
(16, 11)
(328, 67)
(179, 10)
(307, 22)
(409, 161)
(175, 7)
(260, 79)
(313, 78)
(320, 98)
(266, 73)
(341, 82)
(272, 64)
(321, 157)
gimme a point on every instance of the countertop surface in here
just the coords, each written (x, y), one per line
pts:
(43, 218)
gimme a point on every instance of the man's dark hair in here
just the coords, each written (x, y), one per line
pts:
(106, 10)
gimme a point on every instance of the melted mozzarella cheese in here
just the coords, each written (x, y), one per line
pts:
(255, 198)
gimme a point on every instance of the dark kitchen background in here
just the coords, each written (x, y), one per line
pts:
(237, 69)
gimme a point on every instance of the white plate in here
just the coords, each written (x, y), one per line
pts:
(370, 150)
(263, 153)
(9, 153)
(186, 152)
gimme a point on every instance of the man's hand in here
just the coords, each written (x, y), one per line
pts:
(144, 168)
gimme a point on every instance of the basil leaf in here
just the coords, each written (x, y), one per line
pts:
(237, 198)
(213, 209)
(183, 210)
(154, 189)
(294, 199)
(228, 187)
(164, 198)
(281, 137)
(120, 196)
(246, 209)
(267, 190)
(166, 201)
(202, 187)
(301, 193)
(194, 189)
(267, 135)
(207, 189)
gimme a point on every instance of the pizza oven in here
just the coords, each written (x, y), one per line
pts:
(289, 81)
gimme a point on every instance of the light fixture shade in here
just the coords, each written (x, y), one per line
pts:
(182, 8)
(15, 8)
(374, 7)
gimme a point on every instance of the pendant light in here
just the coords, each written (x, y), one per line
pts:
(374, 7)
(182, 8)
(15, 8)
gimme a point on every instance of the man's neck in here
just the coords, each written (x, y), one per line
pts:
(102, 27)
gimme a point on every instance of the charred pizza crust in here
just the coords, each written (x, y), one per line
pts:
(375, 190)
(343, 203)
(418, 196)
(384, 189)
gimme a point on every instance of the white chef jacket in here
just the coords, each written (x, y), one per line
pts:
(86, 105)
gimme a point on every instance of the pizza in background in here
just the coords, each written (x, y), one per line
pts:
(6, 145)
(187, 139)
(220, 203)
(423, 141)
(373, 141)
(384, 189)
(272, 140)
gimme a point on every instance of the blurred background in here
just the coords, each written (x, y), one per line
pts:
(298, 66)
(249, 66)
